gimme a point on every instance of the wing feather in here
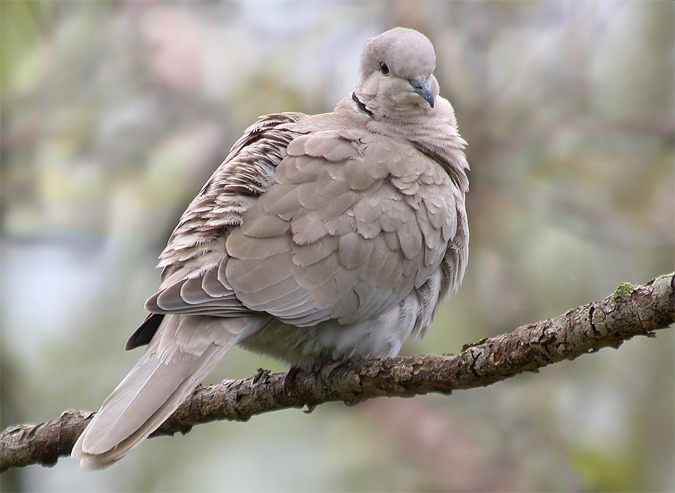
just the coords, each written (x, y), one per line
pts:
(343, 232)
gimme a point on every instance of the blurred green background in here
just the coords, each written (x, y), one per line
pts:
(114, 114)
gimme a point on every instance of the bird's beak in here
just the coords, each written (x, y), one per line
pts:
(421, 87)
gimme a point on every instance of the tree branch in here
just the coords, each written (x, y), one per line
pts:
(628, 312)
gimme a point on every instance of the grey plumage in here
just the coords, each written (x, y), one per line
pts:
(319, 238)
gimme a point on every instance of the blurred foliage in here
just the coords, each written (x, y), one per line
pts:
(115, 113)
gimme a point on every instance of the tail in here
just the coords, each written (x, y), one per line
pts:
(182, 353)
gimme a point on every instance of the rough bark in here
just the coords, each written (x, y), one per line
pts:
(630, 311)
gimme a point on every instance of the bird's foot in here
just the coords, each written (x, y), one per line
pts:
(289, 379)
(326, 370)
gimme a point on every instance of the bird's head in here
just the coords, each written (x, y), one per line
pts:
(396, 75)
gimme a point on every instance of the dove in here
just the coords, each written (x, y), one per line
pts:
(320, 239)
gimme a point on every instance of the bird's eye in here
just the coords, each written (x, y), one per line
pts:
(384, 69)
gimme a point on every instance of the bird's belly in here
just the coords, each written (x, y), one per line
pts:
(311, 347)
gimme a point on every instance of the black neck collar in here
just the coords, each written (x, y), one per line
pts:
(362, 106)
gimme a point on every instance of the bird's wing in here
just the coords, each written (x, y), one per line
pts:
(196, 250)
(353, 223)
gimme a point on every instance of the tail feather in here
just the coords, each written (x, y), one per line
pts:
(164, 377)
